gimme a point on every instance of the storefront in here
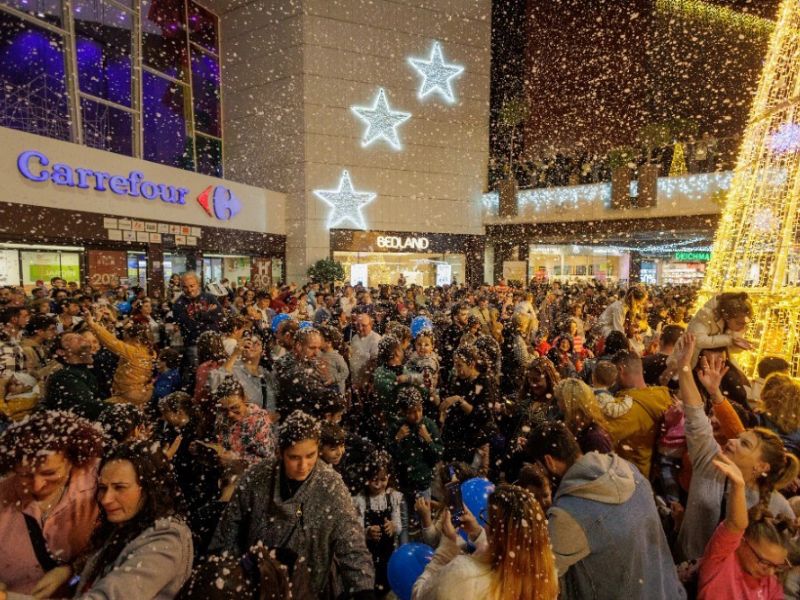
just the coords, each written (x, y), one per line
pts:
(382, 257)
(570, 263)
(678, 268)
(106, 220)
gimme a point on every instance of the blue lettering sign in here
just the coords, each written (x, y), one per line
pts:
(218, 201)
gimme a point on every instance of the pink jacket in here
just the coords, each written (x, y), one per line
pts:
(67, 530)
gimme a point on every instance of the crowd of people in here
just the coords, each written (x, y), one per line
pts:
(251, 443)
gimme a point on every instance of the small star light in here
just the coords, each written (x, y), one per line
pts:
(382, 122)
(786, 139)
(345, 202)
(437, 74)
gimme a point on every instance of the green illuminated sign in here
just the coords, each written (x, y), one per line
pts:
(692, 256)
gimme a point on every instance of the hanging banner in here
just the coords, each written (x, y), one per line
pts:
(261, 273)
(107, 268)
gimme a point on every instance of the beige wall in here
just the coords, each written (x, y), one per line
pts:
(290, 77)
(262, 211)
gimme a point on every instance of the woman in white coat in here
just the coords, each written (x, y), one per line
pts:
(513, 557)
(721, 323)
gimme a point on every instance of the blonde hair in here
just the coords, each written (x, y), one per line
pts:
(522, 323)
(780, 398)
(522, 563)
(783, 466)
(580, 405)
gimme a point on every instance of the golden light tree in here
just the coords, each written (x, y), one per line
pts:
(677, 167)
(756, 248)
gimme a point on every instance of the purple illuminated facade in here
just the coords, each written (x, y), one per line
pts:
(170, 115)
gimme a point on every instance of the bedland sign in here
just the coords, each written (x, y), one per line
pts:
(394, 242)
(217, 201)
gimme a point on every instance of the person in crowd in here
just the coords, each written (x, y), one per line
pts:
(514, 558)
(780, 409)
(602, 488)
(742, 557)
(244, 365)
(211, 356)
(382, 512)
(142, 547)
(337, 367)
(582, 415)
(13, 320)
(466, 413)
(536, 397)
(168, 379)
(451, 339)
(758, 453)
(766, 367)
(124, 423)
(47, 504)
(68, 315)
(243, 430)
(620, 314)
(721, 323)
(363, 349)
(74, 387)
(37, 346)
(195, 312)
(142, 312)
(654, 365)
(562, 356)
(303, 380)
(424, 367)
(300, 503)
(639, 411)
(133, 378)
(388, 378)
(332, 444)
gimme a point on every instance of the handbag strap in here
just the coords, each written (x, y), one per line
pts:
(40, 549)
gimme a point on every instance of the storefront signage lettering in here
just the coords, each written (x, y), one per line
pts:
(692, 256)
(218, 201)
(394, 242)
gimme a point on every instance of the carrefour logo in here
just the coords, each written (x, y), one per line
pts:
(218, 201)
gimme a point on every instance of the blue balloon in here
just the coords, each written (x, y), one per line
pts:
(277, 320)
(124, 307)
(475, 494)
(405, 566)
(306, 325)
(420, 324)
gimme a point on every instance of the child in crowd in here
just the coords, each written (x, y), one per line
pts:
(423, 366)
(380, 509)
(415, 447)
(604, 379)
(332, 444)
(169, 374)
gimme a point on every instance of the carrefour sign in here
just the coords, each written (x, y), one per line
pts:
(217, 200)
(393, 242)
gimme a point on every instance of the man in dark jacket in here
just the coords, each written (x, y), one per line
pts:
(195, 312)
(74, 388)
(300, 503)
(301, 377)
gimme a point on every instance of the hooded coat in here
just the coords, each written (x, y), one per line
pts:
(607, 536)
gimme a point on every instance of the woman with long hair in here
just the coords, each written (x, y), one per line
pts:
(513, 560)
(133, 378)
(143, 313)
(142, 547)
(620, 314)
(721, 323)
(780, 409)
(758, 453)
(582, 416)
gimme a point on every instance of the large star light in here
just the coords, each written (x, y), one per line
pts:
(345, 202)
(438, 74)
(382, 122)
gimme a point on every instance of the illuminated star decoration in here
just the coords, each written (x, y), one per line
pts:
(437, 74)
(786, 139)
(345, 202)
(382, 122)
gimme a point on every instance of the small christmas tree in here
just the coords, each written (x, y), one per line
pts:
(678, 165)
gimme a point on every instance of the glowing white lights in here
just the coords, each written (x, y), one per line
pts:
(437, 74)
(693, 187)
(382, 122)
(786, 139)
(346, 203)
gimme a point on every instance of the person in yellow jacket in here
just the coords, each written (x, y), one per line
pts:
(637, 412)
(133, 379)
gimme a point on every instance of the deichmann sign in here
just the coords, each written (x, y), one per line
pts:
(218, 201)
(687, 256)
(393, 242)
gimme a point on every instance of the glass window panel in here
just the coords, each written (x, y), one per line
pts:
(164, 44)
(107, 128)
(203, 27)
(205, 89)
(103, 46)
(209, 156)
(165, 122)
(33, 95)
(47, 10)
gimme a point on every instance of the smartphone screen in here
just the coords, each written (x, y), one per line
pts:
(454, 502)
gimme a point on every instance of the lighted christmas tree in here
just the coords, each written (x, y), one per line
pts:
(678, 165)
(756, 248)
